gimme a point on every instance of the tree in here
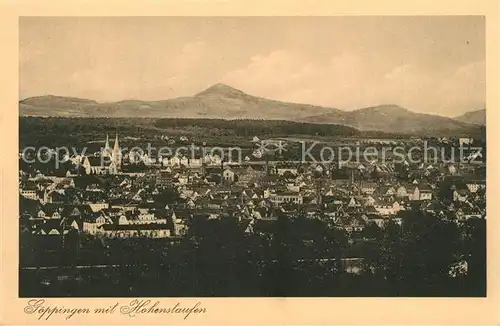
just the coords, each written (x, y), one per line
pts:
(475, 255)
(415, 257)
(372, 231)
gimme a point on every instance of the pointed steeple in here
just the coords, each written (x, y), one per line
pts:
(117, 155)
(107, 147)
(116, 148)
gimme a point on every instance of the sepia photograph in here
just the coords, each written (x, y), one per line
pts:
(257, 156)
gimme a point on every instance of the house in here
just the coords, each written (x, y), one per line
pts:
(425, 194)
(135, 230)
(413, 192)
(49, 212)
(353, 203)
(229, 175)
(293, 187)
(282, 170)
(91, 224)
(145, 216)
(286, 197)
(174, 161)
(468, 212)
(401, 191)
(66, 183)
(266, 181)
(465, 141)
(385, 208)
(374, 218)
(30, 193)
(74, 211)
(179, 221)
(368, 187)
(195, 163)
(50, 228)
(387, 191)
(397, 220)
(53, 221)
(475, 185)
(350, 223)
(96, 207)
(112, 213)
(182, 179)
(252, 194)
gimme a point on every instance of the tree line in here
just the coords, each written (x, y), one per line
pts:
(424, 256)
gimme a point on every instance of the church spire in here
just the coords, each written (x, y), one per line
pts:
(117, 155)
(116, 148)
(107, 147)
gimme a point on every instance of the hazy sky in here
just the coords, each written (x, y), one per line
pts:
(426, 64)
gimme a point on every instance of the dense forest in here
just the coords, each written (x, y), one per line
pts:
(250, 128)
(57, 131)
(60, 131)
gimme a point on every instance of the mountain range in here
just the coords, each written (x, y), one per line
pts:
(476, 117)
(225, 102)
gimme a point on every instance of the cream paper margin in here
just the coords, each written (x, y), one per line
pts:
(245, 311)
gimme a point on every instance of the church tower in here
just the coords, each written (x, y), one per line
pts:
(107, 149)
(116, 157)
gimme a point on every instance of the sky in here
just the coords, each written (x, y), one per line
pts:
(427, 64)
